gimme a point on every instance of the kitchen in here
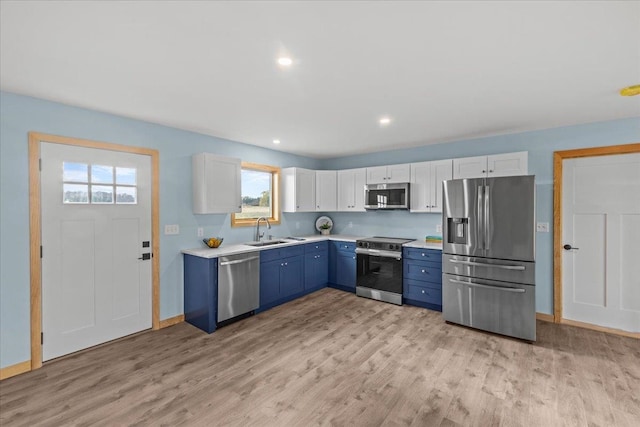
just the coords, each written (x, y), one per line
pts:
(22, 114)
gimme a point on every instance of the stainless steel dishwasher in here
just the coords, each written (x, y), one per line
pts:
(238, 285)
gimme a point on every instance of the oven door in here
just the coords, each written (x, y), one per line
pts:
(379, 270)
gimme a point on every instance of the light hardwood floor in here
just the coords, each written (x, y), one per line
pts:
(332, 358)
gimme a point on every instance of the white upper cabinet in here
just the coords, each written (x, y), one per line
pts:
(426, 184)
(299, 190)
(326, 190)
(351, 184)
(216, 184)
(507, 164)
(389, 174)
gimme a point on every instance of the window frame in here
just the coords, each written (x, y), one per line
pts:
(276, 213)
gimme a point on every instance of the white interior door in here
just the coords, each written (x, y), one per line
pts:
(601, 233)
(96, 227)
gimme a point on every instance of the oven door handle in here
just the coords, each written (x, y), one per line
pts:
(379, 253)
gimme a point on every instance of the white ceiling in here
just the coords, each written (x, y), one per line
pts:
(443, 71)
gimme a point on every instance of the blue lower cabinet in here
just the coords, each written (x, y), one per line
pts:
(423, 291)
(291, 276)
(342, 265)
(316, 271)
(422, 273)
(201, 292)
(269, 282)
(281, 275)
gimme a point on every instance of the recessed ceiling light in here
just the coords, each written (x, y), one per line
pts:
(285, 61)
(384, 121)
(276, 141)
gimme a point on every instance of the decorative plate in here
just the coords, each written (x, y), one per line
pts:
(324, 220)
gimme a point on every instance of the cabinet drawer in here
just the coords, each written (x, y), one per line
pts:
(278, 253)
(291, 251)
(269, 255)
(423, 254)
(422, 270)
(416, 290)
(345, 246)
(310, 248)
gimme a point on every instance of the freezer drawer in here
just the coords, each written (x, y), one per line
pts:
(491, 269)
(500, 307)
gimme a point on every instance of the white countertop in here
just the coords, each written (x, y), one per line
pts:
(242, 248)
(423, 245)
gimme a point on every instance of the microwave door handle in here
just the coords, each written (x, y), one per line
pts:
(487, 219)
(480, 219)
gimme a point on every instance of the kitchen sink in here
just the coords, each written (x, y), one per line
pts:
(267, 243)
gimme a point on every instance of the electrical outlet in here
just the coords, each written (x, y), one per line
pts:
(350, 224)
(200, 232)
(542, 227)
(297, 225)
(439, 228)
(171, 229)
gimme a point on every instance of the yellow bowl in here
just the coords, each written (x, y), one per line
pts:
(213, 242)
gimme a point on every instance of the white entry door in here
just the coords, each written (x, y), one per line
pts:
(96, 230)
(601, 238)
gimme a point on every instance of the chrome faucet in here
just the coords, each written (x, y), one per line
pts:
(258, 234)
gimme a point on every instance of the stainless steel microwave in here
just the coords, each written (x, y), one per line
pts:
(386, 196)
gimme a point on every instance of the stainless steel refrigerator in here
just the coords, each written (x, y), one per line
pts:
(488, 257)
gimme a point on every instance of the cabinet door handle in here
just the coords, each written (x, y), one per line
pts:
(424, 271)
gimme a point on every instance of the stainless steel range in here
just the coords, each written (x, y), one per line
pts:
(379, 274)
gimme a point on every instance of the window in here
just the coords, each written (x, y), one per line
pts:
(98, 184)
(260, 195)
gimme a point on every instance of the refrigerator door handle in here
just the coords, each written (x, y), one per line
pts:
(495, 288)
(480, 218)
(487, 219)
(482, 264)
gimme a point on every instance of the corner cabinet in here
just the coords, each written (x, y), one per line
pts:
(389, 174)
(299, 190)
(426, 184)
(351, 184)
(216, 184)
(508, 164)
(422, 278)
(326, 191)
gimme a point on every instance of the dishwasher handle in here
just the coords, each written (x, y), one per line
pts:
(495, 288)
(239, 261)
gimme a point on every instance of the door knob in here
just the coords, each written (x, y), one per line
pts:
(569, 247)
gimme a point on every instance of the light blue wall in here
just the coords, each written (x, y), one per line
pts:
(539, 144)
(20, 114)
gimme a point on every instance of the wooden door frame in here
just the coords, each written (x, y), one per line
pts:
(35, 228)
(558, 158)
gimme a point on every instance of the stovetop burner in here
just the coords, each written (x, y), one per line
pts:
(383, 243)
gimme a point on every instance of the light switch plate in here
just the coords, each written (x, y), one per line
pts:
(542, 227)
(171, 229)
